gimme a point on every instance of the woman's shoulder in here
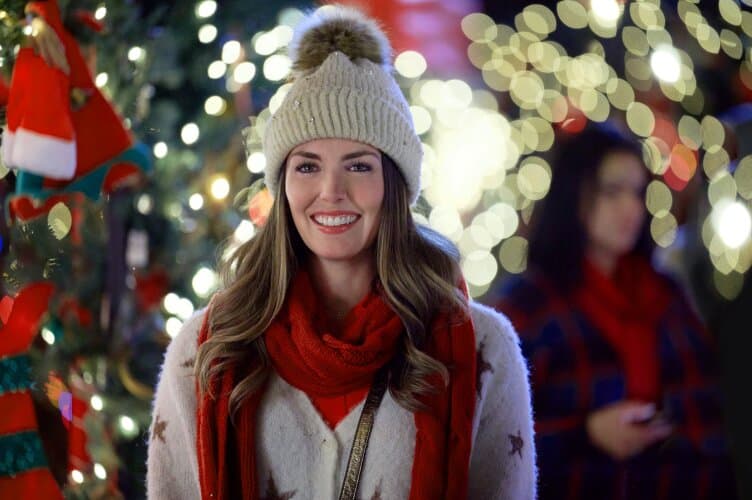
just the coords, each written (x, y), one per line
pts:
(501, 369)
(181, 352)
(495, 337)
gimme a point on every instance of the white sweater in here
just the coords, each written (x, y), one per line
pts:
(299, 457)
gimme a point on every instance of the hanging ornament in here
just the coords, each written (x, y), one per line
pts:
(23, 465)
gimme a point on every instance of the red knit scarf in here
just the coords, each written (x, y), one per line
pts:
(320, 363)
(626, 309)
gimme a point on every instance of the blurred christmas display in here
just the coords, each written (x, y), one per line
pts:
(125, 170)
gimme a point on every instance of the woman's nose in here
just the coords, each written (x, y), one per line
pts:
(332, 186)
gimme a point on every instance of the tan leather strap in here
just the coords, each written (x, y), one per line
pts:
(362, 435)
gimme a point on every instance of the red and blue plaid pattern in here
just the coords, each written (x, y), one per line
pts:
(574, 371)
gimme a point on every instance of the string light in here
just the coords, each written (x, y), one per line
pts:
(127, 426)
(189, 133)
(215, 105)
(231, 51)
(256, 162)
(732, 222)
(216, 70)
(48, 336)
(244, 72)
(144, 204)
(185, 309)
(665, 64)
(173, 326)
(277, 67)
(207, 33)
(160, 150)
(196, 201)
(410, 64)
(244, 232)
(219, 188)
(606, 12)
(265, 43)
(100, 471)
(204, 282)
(206, 8)
(135, 54)
(101, 80)
(171, 302)
(96, 402)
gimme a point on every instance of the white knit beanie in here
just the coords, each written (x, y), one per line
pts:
(343, 88)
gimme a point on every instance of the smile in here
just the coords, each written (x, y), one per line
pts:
(335, 220)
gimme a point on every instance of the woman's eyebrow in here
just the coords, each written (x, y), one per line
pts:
(356, 154)
(306, 154)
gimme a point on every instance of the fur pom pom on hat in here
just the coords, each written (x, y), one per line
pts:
(338, 29)
(343, 88)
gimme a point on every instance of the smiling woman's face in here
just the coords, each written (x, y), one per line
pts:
(335, 189)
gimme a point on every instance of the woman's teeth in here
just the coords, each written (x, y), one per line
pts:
(340, 220)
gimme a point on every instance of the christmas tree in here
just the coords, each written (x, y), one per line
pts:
(122, 254)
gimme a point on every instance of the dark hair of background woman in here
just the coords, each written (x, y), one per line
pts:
(558, 240)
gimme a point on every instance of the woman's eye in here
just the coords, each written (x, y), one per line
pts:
(360, 167)
(305, 168)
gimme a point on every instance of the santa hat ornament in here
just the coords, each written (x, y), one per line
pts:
(24, 472)
(45, 135)
(39, 136)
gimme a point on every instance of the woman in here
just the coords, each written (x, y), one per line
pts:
(623, 373)
(337, 297)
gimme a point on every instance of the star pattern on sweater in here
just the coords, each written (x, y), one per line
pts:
(157, 431)
(517, 444)
(481, 366)
(188, 363)
(377, 494)
(273, 494)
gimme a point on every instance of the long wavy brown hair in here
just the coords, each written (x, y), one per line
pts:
(417, 267)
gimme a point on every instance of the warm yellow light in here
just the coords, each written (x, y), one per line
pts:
(216, 70)
(215, 105)
(77, 476)
(231, 51)
(410, 64)
(606, 12)
(733, 223)
(665, 64)
(220, 188)
(207, 33)
(196, 201)
(204, 282)
(135, 54)
(277, 67)
(244, 72)
(189, 133)
(101, 80)
(96, 402)
(205, 9)
(160, 150)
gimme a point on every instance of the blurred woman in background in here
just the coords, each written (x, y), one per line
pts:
(623, 372)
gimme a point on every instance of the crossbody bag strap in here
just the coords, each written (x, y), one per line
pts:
(362, 435)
